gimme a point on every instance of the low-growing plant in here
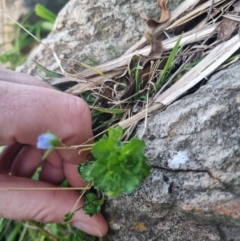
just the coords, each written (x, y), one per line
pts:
(114, 169)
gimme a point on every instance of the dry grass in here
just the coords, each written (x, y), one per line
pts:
(200, 44)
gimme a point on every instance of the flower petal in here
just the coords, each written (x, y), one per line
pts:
(47, 141)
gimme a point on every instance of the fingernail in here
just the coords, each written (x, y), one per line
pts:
(87, 228)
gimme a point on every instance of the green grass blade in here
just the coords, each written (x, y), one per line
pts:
(23, 232)
(5, 224)
(15, 232)
(99, 72)
(137, 79)
(45, 13)
(169, 63)
(48, 73)
(47, 26)
(109, 111)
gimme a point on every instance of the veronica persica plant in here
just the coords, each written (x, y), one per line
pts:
(117, 167)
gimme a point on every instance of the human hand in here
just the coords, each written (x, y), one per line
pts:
(28, 110)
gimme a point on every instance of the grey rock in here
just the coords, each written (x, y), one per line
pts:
(193, 192)
(94, 31)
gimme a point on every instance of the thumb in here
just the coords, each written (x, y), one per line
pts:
(44, 206)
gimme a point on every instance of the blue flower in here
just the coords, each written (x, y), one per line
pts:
(48, 141)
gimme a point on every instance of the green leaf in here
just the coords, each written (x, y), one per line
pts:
(115, 133)
(68, 217)
(102, 148)
(85, 171)
(92, 205)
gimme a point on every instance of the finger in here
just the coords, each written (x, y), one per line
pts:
(72, 174)
(52, 170)
(51, 174)
(45, 206)
(37, 110)
(26, 162)
(8, 155)
(20, 78)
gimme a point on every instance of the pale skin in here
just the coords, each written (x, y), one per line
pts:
(28, 108)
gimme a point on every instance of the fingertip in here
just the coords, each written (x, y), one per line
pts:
(79, 118)
(97, 227)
